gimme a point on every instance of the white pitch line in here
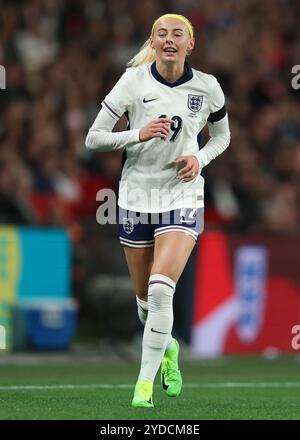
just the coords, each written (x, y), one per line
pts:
(62, 387)
(245, 385)
(126, 386)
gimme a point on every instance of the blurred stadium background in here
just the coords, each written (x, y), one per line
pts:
(63, 276)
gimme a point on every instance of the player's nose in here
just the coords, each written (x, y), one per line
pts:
(169, 38)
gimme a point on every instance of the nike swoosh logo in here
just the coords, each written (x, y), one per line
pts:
(165, 386)
(155, 331)
(187, 222)
(149, 100)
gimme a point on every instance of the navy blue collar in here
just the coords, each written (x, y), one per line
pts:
(185, 77)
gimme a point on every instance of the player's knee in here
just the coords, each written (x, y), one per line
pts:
(166, 270)
(160, 296)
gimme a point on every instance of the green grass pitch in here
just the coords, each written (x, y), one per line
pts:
(227, 388)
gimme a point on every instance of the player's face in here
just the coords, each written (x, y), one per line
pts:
(171, 40)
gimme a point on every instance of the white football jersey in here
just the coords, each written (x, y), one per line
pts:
(149, 182)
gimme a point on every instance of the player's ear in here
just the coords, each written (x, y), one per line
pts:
(190, 46)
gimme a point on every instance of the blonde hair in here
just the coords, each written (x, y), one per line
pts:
(146, 54)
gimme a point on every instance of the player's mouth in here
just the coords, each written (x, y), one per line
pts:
(170, 50)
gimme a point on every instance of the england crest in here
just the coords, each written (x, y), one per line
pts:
(128, 225)
(195, 102)
(251, 267)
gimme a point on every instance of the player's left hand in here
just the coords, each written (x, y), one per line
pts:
(189, 168)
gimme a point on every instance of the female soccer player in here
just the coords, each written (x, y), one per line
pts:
(167, 103)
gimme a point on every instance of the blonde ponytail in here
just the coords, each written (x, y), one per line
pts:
(146, 55)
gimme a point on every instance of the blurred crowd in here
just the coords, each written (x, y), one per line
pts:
(62, 57)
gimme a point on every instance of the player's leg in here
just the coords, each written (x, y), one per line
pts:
(171, 253)
(174, 242)
(138, 242)
(137, 238)
(139, 262)
(171, 378)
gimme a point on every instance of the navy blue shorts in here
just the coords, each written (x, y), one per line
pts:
(140, 229)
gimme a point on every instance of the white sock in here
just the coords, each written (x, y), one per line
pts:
(143, 313)
(142, 310)
(159, 323)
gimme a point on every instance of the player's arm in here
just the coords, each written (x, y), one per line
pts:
(100, 136)
(218, 128)
(219, 138)
(120, 100)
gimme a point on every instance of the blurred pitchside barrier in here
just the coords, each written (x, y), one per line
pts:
(36, 308)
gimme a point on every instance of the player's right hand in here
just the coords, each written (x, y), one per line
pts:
(156, 128)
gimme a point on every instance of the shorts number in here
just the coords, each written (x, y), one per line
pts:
(175, 126)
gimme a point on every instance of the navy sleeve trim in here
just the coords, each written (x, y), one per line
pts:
(217, 116)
